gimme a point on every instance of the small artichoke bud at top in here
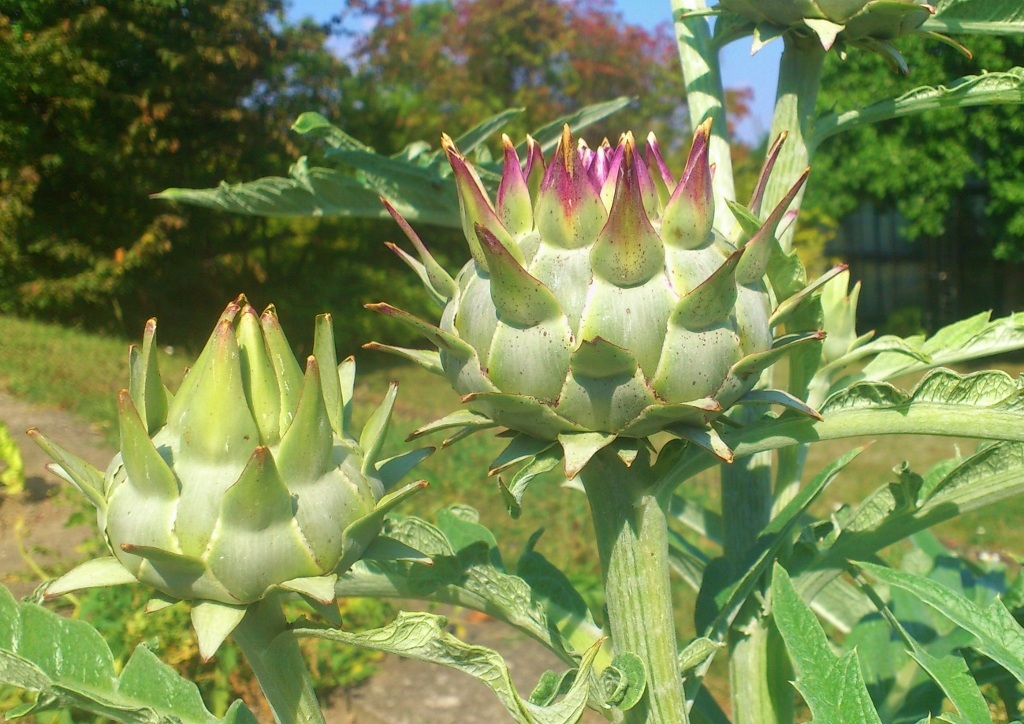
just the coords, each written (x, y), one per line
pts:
(866, 23)
(602, 304)
(840, 314)
(248, 480)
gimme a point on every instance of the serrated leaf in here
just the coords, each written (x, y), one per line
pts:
(513, 493)
(984, 405)
(563, 605)
(969, 339)
(832, 686)
(977, 17)
(316, 126)
(471, 139)
(998, 634)
(547, 136)
(972, 90)
(475, 578)
(775, 535)
(305, 191)
(422, 636)
(949, 671)
(991, 475)
(66, 663)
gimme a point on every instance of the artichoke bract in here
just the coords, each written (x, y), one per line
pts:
(866, 23)
(599, 302)
(244, 482)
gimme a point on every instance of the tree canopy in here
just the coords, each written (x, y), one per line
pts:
(103, 103)
(919, 164)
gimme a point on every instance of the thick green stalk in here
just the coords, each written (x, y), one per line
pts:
(705, 99)
(799, 80)
(746, 484)
(746, 510)
(759, 672)
(632, 540)
(278, 664)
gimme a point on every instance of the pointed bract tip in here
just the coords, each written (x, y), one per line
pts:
(312, 366)
(506, 142)
(704, 129)
(390, 208)
(150, 326)
(450, 149)
(565, 147)
(270, 311)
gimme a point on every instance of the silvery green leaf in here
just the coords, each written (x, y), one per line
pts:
(65, 663)
(624, 681)
(422, 636)
(948, 670)
(983, 405)
(977, 17)
(992, 474)
(998, 635)
(701, 520)
(547, 136)
(315, 125)
(832, 686)
(468, 572)
(305, 191)
(471, 139)
(841, 605)
(696, 652)
(972, 90)
(775, 535)
(539, 464)
(969, 339)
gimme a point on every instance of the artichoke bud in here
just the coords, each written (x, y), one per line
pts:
(870, 24)
(599, 302)
(248, 480)
(839, 307)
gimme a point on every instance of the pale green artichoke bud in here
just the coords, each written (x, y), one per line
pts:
(599, 301)
(244, 482)
(866, 23)
(840, 313)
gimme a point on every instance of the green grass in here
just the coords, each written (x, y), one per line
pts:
(71, 369)
(81, 372)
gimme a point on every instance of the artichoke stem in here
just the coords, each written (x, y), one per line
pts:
(799, 80)
(746, 510)
(278, 663)
(632, 540)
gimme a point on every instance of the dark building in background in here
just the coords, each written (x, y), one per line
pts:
(928, 282)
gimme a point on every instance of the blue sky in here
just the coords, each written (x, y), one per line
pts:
(739, 69)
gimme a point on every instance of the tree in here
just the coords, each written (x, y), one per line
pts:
(104, 103)
(918, 165)
(446, 64)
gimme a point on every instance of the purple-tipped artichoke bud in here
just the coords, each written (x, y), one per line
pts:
(870, 23)
(610, 308)
(247, 481)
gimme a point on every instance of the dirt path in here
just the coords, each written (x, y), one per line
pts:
(403, 692)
